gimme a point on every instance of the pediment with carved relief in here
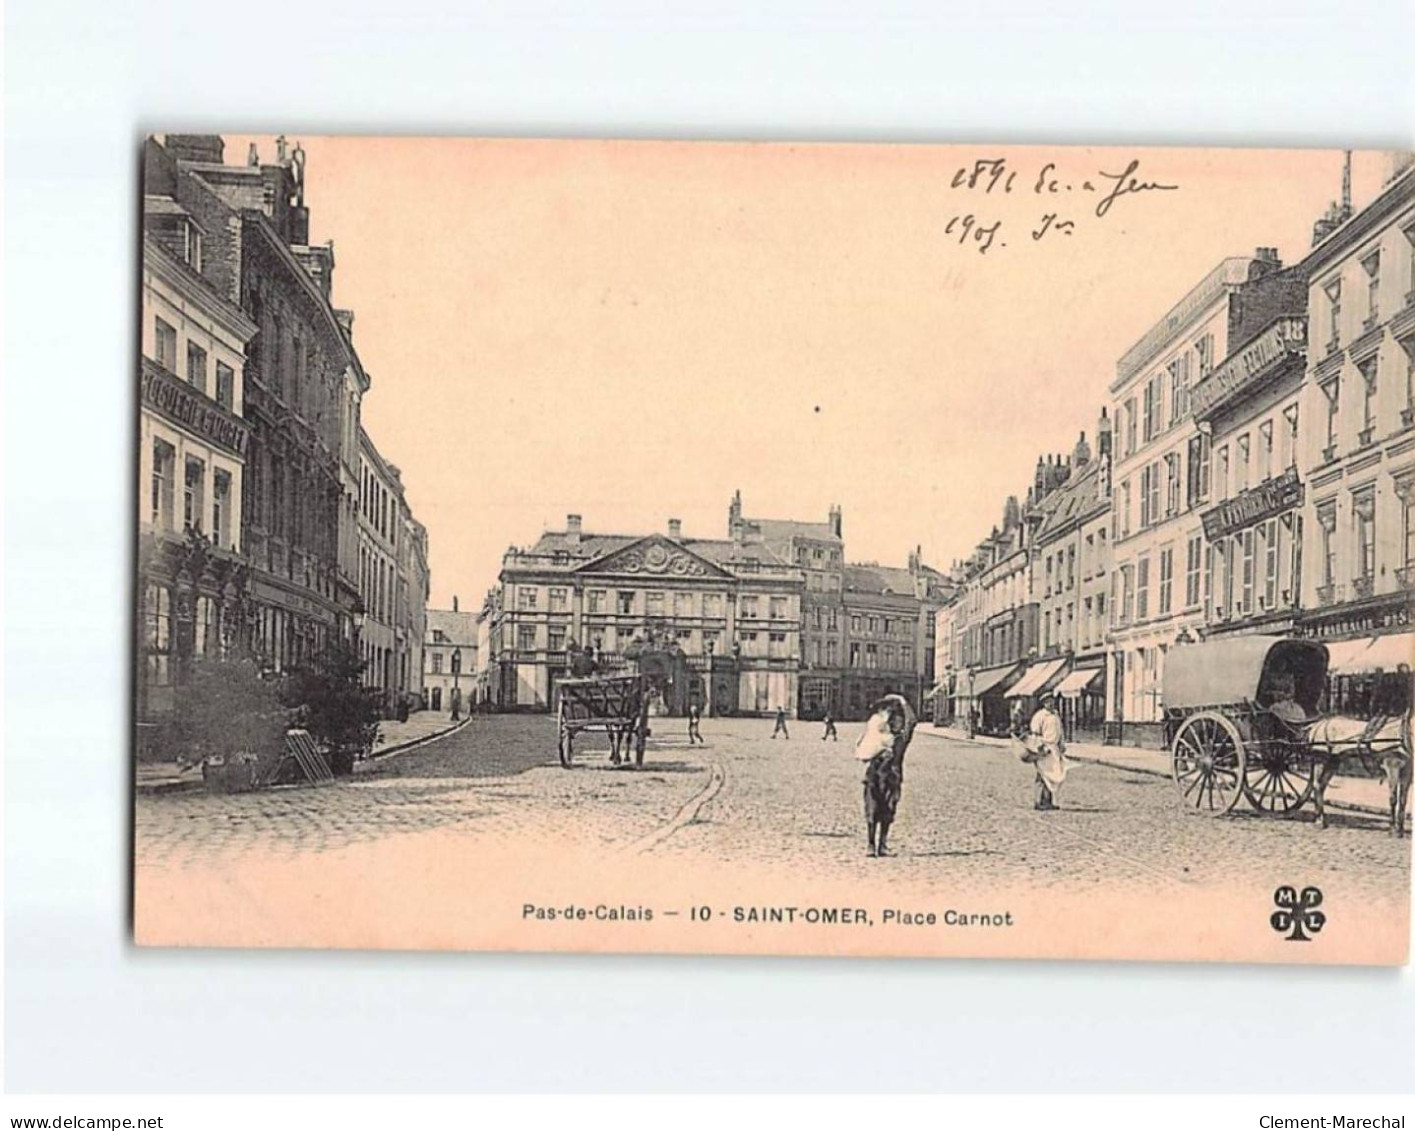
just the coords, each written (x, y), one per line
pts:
(654, 557)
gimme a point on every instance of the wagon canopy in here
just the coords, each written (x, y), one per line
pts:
(1242, 669)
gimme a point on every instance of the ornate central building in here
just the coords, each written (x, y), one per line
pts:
(733, 607)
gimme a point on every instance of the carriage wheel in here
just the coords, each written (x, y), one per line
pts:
(1208, 761)
(563, 740)
(1279, 778)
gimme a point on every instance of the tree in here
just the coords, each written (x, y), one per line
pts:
(331, 702)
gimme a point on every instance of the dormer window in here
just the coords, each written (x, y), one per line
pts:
(191, 245)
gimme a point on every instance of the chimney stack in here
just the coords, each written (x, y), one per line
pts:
(207, 149)
(675, 529)
(1081, 453)
(572, 529)
(454, 602)
(1103, 434)
(837, 522)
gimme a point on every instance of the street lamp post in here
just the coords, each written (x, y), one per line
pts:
(456, 688)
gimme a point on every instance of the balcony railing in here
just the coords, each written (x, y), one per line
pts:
(1406, 576)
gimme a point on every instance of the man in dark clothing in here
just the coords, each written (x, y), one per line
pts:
(781, 724)
(830, 730)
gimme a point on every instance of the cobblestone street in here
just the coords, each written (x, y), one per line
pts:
(965, 818)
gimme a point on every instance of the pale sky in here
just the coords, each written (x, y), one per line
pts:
(632, 330)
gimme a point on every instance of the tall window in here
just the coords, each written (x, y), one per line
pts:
(596, 600)
(192, 484)
(1178, 373)
(1124, 518)
(437, 663)
(196, 367)
(1270, 546)
(526, 638)
(225, 386)
(778, 608)
(1333, 293)
(1242, 462)
(1204, 350)
(527, 597)
(1198, 483)
(221, 508)
(1171, 483)
(1332, 393)
(555, 638)
(1193, 557)
(1146, 515)
(165, 345)
(1326, 521)
(1221, 474)
(655, 603)
(164, 458)
(871, 656)
(1406, 492)
(158, 611)
(1369, 371)
(1166, 580)
(559, 600)
(204, 638)
(1142, 589)
(1363, 508)
(1130, 426)
(1153, 398)
(1289, 437)
(712, 604)
(1249, 568)
(1154, 492)
(1265, 451)
(1372, 266)
(750, 608)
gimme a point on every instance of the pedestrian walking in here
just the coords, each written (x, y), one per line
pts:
(1046, 751)
(694, 719)
(830, 730)
(781, 724)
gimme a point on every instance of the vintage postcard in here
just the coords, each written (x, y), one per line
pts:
(811, 549)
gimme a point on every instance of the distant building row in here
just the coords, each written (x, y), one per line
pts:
(772, 616)
(1254, 472)
(268, 520)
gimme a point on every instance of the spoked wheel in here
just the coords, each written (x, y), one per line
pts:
(563, 740)
(1209, 763)
(1279, 778)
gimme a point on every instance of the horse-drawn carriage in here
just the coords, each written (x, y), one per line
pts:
(1241, 720)
(615, 703)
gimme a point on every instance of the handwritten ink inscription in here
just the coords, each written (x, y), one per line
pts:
(1056, 191)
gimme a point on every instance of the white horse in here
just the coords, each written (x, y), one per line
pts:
(1386, 740)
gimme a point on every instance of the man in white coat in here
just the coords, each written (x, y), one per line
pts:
(1046, 746)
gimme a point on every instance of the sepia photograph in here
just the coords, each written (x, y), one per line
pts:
(759, 548)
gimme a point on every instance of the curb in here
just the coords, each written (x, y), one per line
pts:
(1332, 803)
(151, 789)
(157, 788)
(411, 744)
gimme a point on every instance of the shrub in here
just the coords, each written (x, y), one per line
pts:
(225, 711)
(331, 702)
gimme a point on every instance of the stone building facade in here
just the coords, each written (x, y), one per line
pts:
(732, 606)
(192, 447)
(1358, 449)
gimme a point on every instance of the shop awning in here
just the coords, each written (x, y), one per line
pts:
(1036, 678)
(1387, 653)
(1077, 682)
(1380, 653)
(986, 680)
(1343, 656)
